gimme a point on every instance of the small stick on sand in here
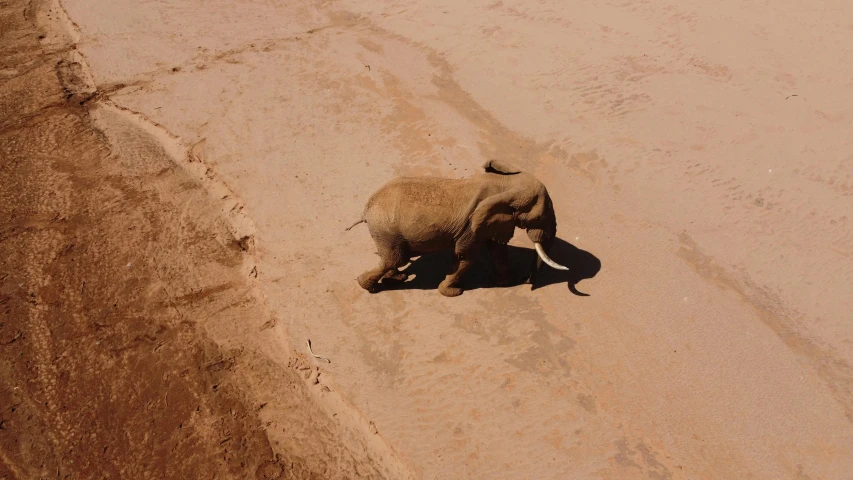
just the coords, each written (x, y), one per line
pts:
(308, 341)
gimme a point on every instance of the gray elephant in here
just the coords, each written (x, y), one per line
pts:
(410, 216)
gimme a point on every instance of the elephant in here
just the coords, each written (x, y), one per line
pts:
(411, 216)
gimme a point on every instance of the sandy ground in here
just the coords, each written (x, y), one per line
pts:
(699, 158)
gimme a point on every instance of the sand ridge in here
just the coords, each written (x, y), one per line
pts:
(128, 356)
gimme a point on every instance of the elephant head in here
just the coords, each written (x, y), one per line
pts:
(523, 203)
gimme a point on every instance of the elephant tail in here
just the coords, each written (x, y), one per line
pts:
(356, 223)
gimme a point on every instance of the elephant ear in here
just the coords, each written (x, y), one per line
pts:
(499, 167)
(493, 215)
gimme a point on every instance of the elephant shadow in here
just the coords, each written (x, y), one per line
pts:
(427, 271)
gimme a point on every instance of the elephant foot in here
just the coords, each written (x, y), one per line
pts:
(365, 283)
(396, 277)
(449, 291)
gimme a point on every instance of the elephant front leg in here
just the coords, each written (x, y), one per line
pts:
(449, 287)
(500, 255)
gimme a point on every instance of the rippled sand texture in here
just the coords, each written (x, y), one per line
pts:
(698, 153)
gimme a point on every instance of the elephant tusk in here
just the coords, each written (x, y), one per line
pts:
(546, 259)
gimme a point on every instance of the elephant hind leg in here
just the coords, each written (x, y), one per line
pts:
(391, 258)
